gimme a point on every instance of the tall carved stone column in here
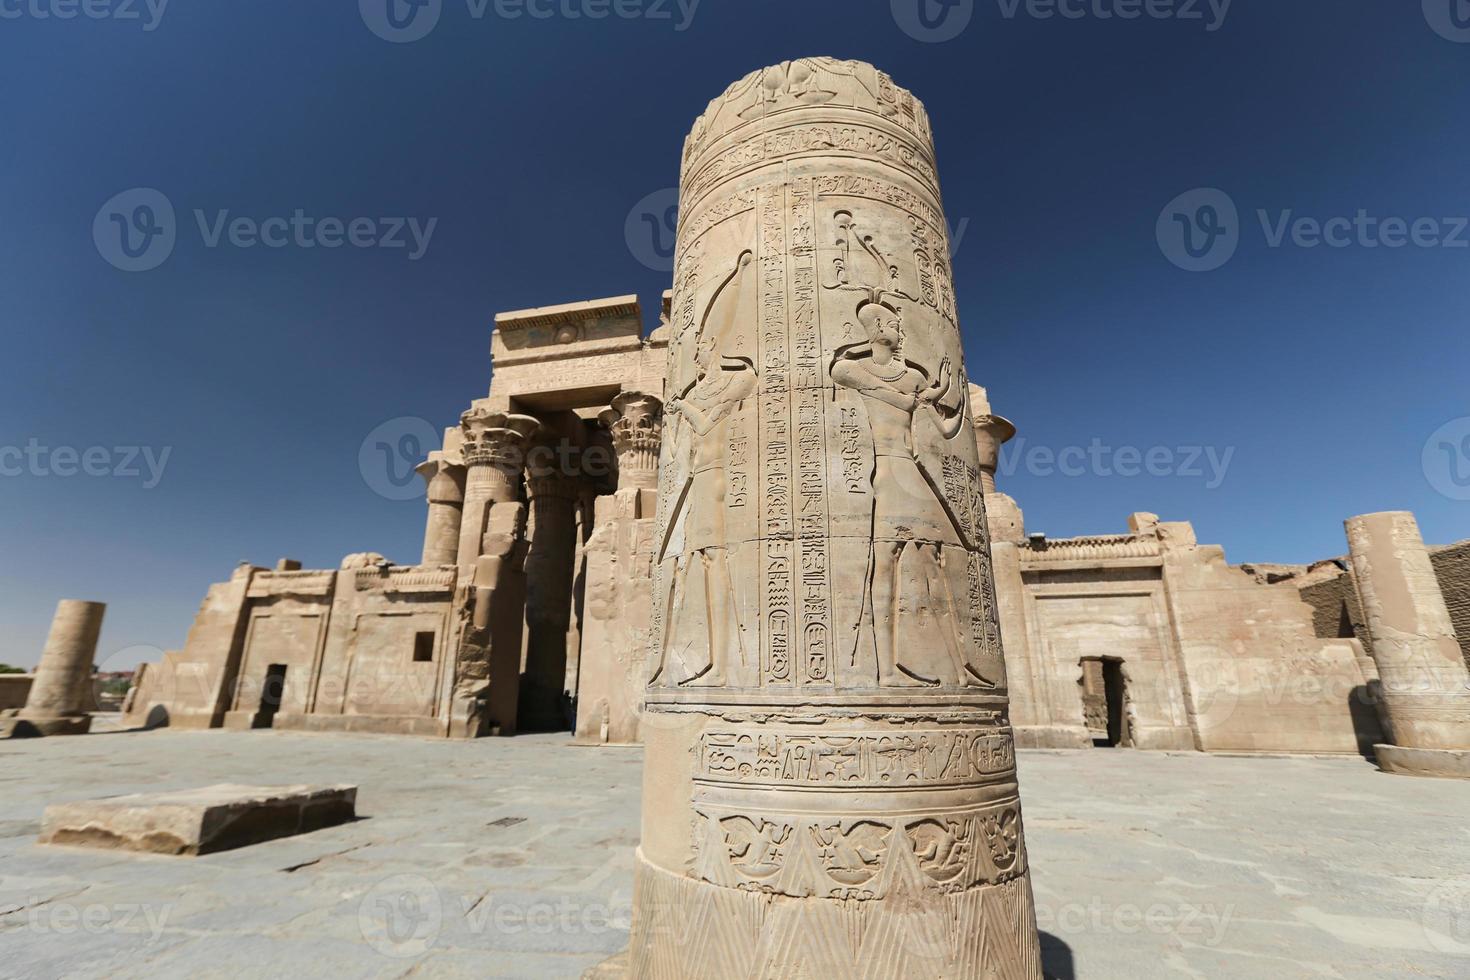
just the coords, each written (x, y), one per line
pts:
(829, 784)
(550, 566)
(445, 480)
(492, 589)
(61, 695)
(619, 574)
(1425, 686)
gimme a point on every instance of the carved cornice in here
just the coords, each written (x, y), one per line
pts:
(1091, 547)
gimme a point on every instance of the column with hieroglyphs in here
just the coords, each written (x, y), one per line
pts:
(619, 567)
(485, 689)
(829, 784)
(1425, 687)
(61, 695)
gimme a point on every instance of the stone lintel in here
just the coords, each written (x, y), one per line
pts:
(198, 821)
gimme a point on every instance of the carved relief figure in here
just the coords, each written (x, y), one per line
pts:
(705, 408)
(913, 525)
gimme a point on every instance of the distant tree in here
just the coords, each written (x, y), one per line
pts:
(7, 669)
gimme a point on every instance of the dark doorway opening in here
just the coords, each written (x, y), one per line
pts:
(270, 696)
(1115, 691)
(1104, 702)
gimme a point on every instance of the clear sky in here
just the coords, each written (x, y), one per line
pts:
(159, 426)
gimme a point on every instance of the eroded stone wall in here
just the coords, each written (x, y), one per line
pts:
(1452, 569)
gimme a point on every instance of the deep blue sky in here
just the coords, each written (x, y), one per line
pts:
(1060, 141)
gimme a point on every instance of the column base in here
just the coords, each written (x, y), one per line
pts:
(684, 927)
(36, 726)
(1442, 763)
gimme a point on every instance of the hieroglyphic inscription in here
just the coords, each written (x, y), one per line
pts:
(738, 465)
(857, 761)
(775, 420)
(961, 481)
(930, 237)
(811, 452)
(864, 140)
(849, 430)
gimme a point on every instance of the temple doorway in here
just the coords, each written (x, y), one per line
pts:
(1104, 702)
(270, 696)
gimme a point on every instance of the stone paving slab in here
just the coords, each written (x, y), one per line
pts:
(513, 858)
(197, 821)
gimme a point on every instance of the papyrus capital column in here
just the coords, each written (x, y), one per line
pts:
(494, 453)
(61, 695)
(1425, 685)
(444, 488)
(636, 421)
(829, 783)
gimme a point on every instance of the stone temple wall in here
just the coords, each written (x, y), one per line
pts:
(1336, 611)
(1452, 568)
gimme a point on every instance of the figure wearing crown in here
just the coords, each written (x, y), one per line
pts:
(913, 528)
(706, 406)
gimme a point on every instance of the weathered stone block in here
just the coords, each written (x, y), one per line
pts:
(198, 821)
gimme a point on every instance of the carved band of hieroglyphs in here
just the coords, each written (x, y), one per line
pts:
(778, 568)
(738, 465)
(825, 138)
(811, 451)
(861, 760)
(856, 856)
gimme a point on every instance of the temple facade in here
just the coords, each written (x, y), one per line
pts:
(531, 605)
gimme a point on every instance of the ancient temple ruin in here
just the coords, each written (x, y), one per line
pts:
(532, 605)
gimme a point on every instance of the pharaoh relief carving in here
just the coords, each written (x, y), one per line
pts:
(699, 418)
(914, 525)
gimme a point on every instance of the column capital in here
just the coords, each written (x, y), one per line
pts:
(636, 421)
(444, 479)
(496, 438)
